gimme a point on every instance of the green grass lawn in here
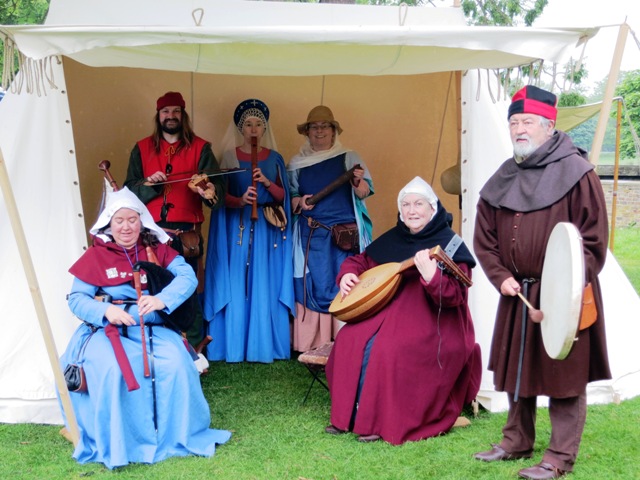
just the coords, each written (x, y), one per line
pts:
(275, 436)
(626, 249)
(609, 158)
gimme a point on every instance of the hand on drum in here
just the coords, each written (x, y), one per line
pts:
(426, 265)
(347, 282)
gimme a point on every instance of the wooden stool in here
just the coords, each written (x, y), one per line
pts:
(315, 361)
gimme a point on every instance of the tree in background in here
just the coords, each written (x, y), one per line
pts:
(507, 13)
(629, 89)
(21, 12)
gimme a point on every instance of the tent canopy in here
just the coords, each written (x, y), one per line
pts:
(403, 80)
(571, 117)
(242, 38)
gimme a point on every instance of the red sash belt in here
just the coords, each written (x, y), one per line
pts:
(113, 334)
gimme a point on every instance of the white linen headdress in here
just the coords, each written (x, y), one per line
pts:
(419, 187)
(125, 198)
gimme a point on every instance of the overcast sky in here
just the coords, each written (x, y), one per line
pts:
(606, 14)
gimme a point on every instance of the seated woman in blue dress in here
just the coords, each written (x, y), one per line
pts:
(125, 416)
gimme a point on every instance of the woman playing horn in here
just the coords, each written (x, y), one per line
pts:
(248, 285)
(317, 257)
(406, 372)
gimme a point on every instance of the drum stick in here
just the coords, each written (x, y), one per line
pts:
(526, 302)
(536, 315)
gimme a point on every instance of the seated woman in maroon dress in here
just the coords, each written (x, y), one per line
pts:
(407, 372)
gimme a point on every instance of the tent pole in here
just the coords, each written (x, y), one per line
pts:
(598, 139)
(616, 169)
(36, 295)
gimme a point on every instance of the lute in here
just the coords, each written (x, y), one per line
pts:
(378, 285)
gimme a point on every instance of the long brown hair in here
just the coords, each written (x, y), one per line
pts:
(186, 135)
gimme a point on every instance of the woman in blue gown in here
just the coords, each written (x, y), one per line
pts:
(248, 298)
(124, 416)
(317, 259)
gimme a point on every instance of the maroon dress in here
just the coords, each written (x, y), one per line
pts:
(424, 364)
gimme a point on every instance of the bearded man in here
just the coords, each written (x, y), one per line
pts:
(159, 173)
(548, 180)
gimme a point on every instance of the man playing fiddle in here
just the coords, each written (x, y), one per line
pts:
(161, 167)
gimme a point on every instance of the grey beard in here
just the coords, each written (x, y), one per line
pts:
(523, 151)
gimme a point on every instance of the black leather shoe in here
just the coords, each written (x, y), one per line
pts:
(497, 453)
(331, 430)
(368, 438)
(542, 471)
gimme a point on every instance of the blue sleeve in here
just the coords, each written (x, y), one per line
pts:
(84, 306)
(181, 287)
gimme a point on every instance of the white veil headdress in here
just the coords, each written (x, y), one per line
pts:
(233, 138)
(125, 198)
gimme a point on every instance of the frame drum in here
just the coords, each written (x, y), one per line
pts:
(561, 288)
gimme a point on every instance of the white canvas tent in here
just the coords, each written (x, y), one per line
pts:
(402, 81)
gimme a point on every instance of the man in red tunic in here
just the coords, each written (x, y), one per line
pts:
(547, 181)
(160, 168)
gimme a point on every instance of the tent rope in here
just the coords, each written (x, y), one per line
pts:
(493, 99)
(21, 72)
(403, 10)
(634, 134)
(633, 34)
(444, 114)
(199, 12)
(8, 60)
(496, 72)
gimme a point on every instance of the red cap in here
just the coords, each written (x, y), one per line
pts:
(170, 99)
(531, 99)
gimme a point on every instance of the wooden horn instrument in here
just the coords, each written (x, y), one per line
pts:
(104, 165)
(254, 165)
(138, 286)
(338, 182)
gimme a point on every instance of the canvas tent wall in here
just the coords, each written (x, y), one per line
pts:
(396, 78)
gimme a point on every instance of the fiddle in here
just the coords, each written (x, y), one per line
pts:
(201, 180)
